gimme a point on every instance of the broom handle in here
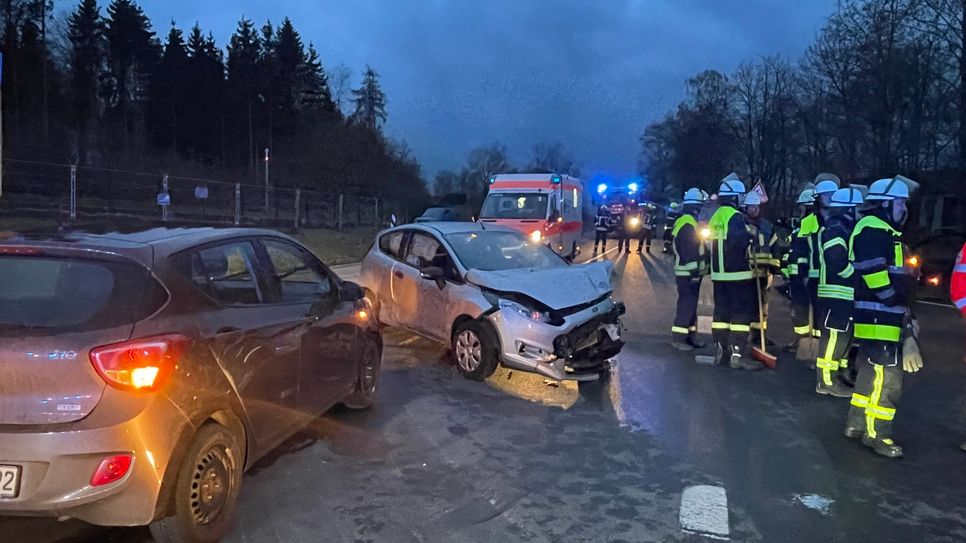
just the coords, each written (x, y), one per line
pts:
(761, 314)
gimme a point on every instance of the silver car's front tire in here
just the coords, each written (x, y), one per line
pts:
(475, 350)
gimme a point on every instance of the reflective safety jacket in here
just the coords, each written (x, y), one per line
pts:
(765, 256)
(690, 258)
(882, 280)
(835, 273)
(602, 220)
(957, 286)
(805, 247)
(730, 241)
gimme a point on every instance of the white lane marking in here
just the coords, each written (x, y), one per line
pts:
(936, 304)
(704, 511)
(601, 255)
(411, 340)
(819, 503)
(704, 324)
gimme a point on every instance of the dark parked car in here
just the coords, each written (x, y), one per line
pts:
(141, 374)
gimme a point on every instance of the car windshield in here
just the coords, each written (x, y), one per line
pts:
(515, 205)
(496, 251)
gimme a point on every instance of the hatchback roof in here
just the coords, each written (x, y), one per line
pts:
(455, 227)
(142, 245)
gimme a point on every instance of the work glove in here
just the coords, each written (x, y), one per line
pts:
(911, 358)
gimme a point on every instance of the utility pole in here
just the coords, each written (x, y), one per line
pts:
(1, 124)
(266, 179)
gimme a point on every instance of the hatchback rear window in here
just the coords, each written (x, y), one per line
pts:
(47, 295)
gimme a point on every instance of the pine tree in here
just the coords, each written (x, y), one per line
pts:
(245, 84)
(314, 85)
(86, 35)
(133, 54)
(204, 76)
(370, 102)
(168, 93)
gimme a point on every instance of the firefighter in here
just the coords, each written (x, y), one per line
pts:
(734, 286)
(765, 259)
(648, 224)
(796, 270)
(673, 211)
(835, 292)
(883, 326)
(690, 266)
(601, 227)
(619, 213)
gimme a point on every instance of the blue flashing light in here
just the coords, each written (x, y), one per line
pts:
(601, 188)
(632, 187)
(555, 179)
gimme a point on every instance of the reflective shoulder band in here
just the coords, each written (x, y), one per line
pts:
(878, 279)
(960, 303)
(870, 263)
(833, 242)
(959, 268)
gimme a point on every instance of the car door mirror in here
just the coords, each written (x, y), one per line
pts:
(350, 292)
(434, 273)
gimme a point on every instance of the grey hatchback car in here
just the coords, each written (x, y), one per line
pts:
(142, 373)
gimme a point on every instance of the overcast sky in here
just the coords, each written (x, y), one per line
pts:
(463, 73)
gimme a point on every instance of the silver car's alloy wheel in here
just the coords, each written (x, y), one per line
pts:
(469, 351)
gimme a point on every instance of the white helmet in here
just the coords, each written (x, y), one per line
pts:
(848, 197)
(752, 199)
(826, 186)
(731, 186)
(807, 197)
(694, 196)
(887, 189)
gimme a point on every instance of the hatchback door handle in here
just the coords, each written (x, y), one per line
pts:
(398, 274)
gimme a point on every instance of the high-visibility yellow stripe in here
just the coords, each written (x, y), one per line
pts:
(833, 242)
(679, 330)
(859, 400)
(740, 328)
(847, 272)
(731, 276)
(758, 326)
(874, 400)
(720, 325)
(880, 332)
(801, 330)
(878, 279)
(837, 292)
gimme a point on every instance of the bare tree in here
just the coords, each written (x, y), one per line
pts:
(341, 84)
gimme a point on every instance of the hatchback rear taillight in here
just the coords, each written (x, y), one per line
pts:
(138, 364)
(111, 469)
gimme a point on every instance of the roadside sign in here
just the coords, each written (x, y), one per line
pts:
(760, 189)
(201, 192)
(164, 199)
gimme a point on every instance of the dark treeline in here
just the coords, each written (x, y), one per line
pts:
(879, 92)
(98, 85)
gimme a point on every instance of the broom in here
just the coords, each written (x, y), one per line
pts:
(808, 346)
(761, 354)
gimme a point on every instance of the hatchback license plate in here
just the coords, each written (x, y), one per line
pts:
(9, 482)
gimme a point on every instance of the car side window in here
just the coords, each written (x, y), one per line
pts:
(423, 249)
(295, 276)
(391, 244)
(227, 273)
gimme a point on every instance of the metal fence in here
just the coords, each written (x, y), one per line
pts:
(70, 193)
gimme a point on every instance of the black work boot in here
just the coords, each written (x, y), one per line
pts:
(836, 389)
(741, 362)
(883, 447)
(681, 345)
(721, 354)
(696, 343)
(852, 432)
(791, 347)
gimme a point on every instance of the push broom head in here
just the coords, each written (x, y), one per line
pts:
(764, 357)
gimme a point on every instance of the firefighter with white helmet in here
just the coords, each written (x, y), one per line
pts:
(884, 328)
(764, 257)
(796, 271)
(825, 185)
(690, 266)
(835, 292)
(734, 285)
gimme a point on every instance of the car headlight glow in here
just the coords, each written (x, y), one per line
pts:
(536, 236)
(705, 233)
(635, 221)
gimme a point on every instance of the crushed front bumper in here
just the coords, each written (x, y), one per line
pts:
(579, 349)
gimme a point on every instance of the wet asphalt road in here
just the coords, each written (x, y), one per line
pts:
(443, 459)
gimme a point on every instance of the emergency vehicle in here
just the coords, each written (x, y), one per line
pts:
(546, 207)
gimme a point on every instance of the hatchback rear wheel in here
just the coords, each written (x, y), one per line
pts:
(475, 350)
(206, 492)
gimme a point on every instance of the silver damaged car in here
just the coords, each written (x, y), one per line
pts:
(495, 297)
